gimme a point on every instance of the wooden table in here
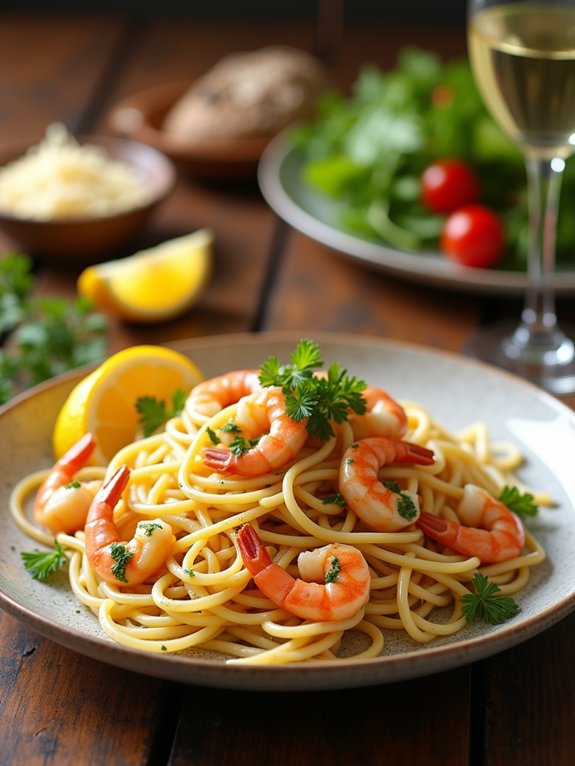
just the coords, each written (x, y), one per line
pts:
(57, 707)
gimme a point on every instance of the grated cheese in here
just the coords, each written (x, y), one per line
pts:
(60, 178)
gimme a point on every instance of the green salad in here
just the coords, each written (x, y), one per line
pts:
(369, 151)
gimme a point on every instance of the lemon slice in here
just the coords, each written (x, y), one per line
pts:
(152, 285)
(104, 402)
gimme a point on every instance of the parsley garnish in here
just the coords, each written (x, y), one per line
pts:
(190, 572)
(337, 499)
(231, 428)
(155, 412)
(240, 445)
(320, 401)
(121, 556)
(485, 604)
(334, 570)
(212, 436)
(42, 564)
(73, 485)
(49, 335)
(405, 505)
(149, 527)
(520, 503)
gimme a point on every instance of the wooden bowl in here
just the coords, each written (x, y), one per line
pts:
(77, 239)
(141, 117)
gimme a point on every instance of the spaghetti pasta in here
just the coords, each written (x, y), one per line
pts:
(202, 598)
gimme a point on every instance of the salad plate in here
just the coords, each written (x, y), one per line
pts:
(317, 216)
(456, 391)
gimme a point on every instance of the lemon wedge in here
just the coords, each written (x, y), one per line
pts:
(152, 285)
(104, 402)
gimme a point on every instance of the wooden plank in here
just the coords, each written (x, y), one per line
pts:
(177, 50)
(59, 707)
(401, 723)
(530, 701)
(49, 68)
(320, 289)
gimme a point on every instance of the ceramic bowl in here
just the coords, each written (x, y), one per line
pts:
(90, 237)
(141, 117)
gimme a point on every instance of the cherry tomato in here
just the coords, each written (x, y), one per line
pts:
(447, 185)
(473, 236)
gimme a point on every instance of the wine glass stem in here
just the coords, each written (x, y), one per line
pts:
(544, 184)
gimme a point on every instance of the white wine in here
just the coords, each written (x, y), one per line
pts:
(523, 58)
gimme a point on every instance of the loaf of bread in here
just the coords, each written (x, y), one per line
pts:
(248, 95)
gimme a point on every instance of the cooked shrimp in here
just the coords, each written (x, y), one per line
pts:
(261, 413)
(211, 396)
(335, 584)
(493, 533)
(117, 562)
(383, 508)
(62, 504)
(384, 416)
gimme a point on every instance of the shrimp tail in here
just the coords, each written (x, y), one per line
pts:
(79, 453)
(254, 553)
(415, 453)
(218, 459)
(436, 527)
(273, 581)
(111, 491)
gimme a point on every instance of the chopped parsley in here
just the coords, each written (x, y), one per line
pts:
(334, 570)
(212, 436)
(73, 485)
(121, 556)
(337, 499)
(154, 413)
(240, 445)
(485, 604)
(230, 428)
(520, 503)
(49, 334)
(41, 564)
(319, 400)
(149, 526)
(405, 505)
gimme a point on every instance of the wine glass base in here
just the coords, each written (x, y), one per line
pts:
(549, 363)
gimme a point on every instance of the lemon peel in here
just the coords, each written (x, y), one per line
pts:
(104, 402)
(152, 285)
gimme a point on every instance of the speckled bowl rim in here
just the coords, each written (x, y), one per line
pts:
(455, 389)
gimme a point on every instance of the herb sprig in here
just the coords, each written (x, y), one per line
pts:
(485, 604)
(521, 503)
(48, 335)
(154, 413)
(319, 400)
(42, 564)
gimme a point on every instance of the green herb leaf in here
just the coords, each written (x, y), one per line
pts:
(319, 400)
(405, 505)
(334, 570)
(230, 428)
(41, 564)
(305, 359)
(212, 436)
(239, 445)
(121, 556)
(49, 335)
(520, 503)
(485, 604)
(154, 413)
(149, 527)
(337, 499)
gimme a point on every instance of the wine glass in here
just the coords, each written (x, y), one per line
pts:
(522, 55)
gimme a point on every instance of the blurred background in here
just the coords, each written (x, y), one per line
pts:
(438, 12)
